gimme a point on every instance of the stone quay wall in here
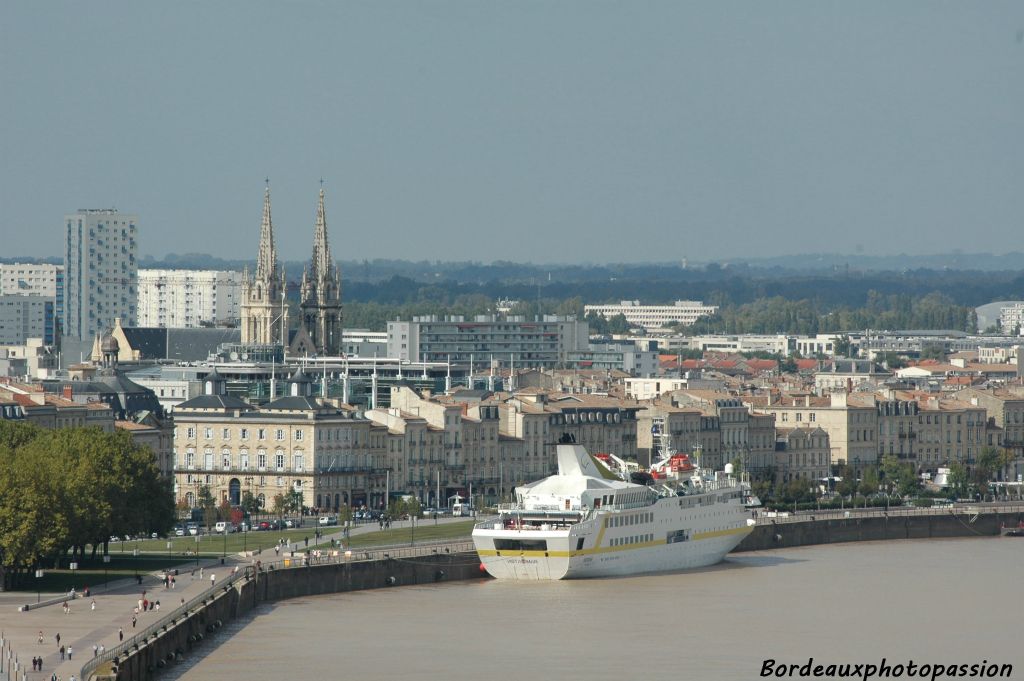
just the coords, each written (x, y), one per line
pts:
(833, 527)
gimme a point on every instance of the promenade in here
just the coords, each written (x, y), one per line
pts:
(83, 627)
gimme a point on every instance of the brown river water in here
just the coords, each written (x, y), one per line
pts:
(956, 601)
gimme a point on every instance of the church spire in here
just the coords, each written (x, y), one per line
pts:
(266, 261)
(322, 265)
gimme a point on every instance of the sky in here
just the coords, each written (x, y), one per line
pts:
(533, 131)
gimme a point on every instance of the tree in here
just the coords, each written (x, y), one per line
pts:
(280, 505)
(205, 501)
(893, 360)
(224, 510)
(847, 487)
(988, 463)
(293, 502)
(843, 346)
(869, 482)
(959, 481)
(250, 504)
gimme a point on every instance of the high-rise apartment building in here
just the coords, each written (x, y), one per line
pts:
(100, 271)
(40, 280)
(24, 317)
(189, 298)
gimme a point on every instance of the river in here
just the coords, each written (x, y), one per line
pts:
(955, 601)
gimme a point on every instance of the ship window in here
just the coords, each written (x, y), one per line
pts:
(521, 544)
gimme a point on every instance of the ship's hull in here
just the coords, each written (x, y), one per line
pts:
(657, 538)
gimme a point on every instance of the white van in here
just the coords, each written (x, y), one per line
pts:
(221, 527)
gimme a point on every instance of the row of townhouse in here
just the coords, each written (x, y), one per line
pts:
(482, 444)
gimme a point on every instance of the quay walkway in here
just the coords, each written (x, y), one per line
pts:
(109, 623)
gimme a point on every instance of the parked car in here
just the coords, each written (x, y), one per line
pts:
(264, 525)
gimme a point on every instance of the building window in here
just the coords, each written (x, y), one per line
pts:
(297, 462)
(190, 458)
(226, 434)
(279, 461)
(243, 460)
(245, 433)
(208, 433)
(261, 460)
(298, 435)
(280, 434)
(191, 433)
(225, 459)
(262, 434)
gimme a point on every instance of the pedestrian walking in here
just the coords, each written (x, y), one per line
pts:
(157, 605)
(70, 651)
(62, 653)
(93, 604)
(200, 573)
(213, 578)
(174, 582)
(58, 638)
(95, 650)
(120, 634)
(133, 621)
(103, 649)
(40, 637)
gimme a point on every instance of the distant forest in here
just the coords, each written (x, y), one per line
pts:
(821, 296)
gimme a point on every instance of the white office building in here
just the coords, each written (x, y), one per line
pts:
(185, 299)
(100, 271)
(1011, 319)
(653, 317)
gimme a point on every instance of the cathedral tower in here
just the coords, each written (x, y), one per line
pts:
(321, 295)
(264, 309)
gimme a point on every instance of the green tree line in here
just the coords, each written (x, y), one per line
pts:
(61, 490)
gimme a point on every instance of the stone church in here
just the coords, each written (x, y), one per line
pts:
(264, 309)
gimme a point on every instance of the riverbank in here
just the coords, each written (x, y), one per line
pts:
(828, 527)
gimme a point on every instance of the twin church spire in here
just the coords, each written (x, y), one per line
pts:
(264, 299)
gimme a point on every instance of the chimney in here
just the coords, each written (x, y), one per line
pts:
(68, 392)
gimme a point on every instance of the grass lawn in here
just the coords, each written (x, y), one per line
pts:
(215, 544)
(91, 573)
(426, 531)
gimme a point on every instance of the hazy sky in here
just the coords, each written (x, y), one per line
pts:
(533, 131)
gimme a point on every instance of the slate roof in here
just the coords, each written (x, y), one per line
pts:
(228, 402)
(151, 343)
(194, 345)
(294, 403)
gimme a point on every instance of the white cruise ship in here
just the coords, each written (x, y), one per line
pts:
(587, 521)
